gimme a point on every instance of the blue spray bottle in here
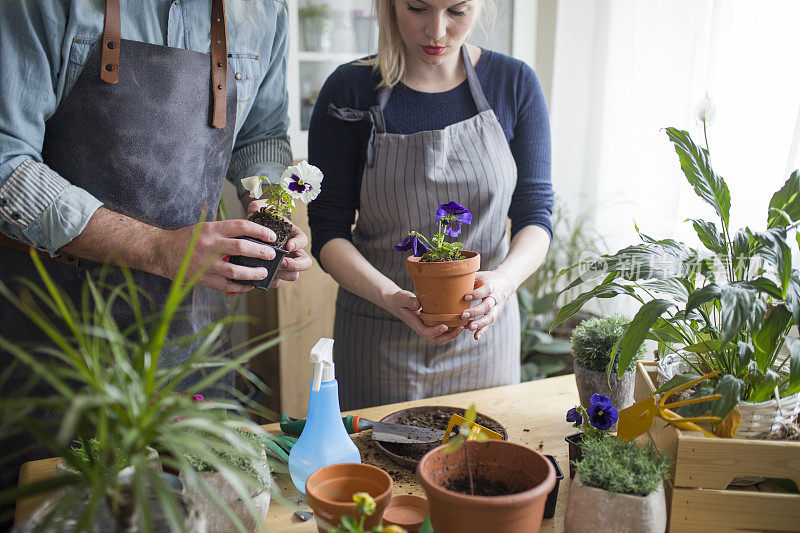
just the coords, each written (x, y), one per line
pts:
(324, 440)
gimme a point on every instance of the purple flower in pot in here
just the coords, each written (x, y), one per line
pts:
(601, 413)
(453, 216)
(412, 242)
(449, 217)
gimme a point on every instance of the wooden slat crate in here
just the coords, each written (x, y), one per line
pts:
(697, 492)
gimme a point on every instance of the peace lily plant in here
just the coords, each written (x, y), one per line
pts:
(728, 306)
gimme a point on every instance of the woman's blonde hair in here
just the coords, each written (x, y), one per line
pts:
(390, 60)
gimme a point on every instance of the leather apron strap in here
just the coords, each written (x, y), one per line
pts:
(109, 62)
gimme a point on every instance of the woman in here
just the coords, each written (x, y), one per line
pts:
(447, 122)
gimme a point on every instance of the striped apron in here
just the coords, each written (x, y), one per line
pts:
(378, 358)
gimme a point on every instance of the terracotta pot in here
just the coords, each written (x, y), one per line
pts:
(515, 465)
(330, 490)
(441, 287)
(593, 510)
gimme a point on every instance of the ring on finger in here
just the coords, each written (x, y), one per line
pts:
(494, 300)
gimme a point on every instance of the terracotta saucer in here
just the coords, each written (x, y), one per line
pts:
(449, 319)
(407, 511)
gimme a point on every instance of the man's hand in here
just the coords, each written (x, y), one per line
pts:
(216, 240)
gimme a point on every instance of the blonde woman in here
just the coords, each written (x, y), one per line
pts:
(429, 120)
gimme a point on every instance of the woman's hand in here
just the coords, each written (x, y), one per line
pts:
(495, 290)
(405, 306)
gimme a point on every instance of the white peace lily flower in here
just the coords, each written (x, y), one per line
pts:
(253, 184)
(705, 111)
(302, 181)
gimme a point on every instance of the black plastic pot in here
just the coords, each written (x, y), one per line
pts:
(552, 498)
(575, 452)
(271, 265)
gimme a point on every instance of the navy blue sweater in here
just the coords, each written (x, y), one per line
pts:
(339, 148)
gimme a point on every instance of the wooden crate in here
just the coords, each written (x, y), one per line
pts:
(697, 492)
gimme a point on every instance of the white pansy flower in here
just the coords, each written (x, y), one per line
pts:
(302, 181)
(705, 111)
(253, 184)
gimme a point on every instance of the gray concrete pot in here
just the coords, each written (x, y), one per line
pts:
(590, 382)
(593, 510)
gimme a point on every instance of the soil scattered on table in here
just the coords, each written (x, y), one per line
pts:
(483, 487)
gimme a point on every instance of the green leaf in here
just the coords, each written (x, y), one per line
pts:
(710, 236)
(741, 253)
(731, 389)
(779, 253)
(637, 332)
(427, 527)
(604, 290)
(793, 344)
(712, 291)
(710, 345)
(699, 408)
(676, 381)
(766, 286)
(764, 387)
(765, 340)
(785, 202)
(736, 302)
(697, 168)
(793, 296)
(664, 331)
(667, 287)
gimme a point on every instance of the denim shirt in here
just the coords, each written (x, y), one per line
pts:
(43, 46)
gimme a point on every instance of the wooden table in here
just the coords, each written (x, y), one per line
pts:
(532, 413)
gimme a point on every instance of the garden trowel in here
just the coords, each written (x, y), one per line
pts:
(636, 419)
(381, 431)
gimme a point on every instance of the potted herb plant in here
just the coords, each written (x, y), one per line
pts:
(441, 272)
(492, 485)
(316, 25)
(592, 344)
(727, 307)
(619, 487)
(593, 423)
(107, 384)
(299, 182)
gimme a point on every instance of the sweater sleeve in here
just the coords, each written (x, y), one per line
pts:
(336, 147)
(532, 201)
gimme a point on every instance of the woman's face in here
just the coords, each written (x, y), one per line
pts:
(434, 30)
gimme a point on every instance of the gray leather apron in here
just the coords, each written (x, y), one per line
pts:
(145, 146)
(378, 358)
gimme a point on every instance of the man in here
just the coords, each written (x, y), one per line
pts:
(117, 127)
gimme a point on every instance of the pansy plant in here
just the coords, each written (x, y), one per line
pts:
(298, 182)
(595, 421)
(449, 217)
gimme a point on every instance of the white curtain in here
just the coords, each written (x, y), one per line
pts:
(625, 69)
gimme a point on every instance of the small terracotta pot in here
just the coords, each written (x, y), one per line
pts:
(515, 465)
(441, 287)
(330, 490)
(407, 511)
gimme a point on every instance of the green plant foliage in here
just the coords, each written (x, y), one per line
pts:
(622, 467)
(594, 339)
(712, 302)
(109, 389)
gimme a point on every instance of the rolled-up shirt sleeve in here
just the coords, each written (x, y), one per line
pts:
(37, 205)
(262, 145)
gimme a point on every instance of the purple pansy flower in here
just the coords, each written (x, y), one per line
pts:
(574, 416)
(601, 413)
(455, 215)
(296, 184)
(412, 242)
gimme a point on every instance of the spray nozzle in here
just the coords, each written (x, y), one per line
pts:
(322, 357)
